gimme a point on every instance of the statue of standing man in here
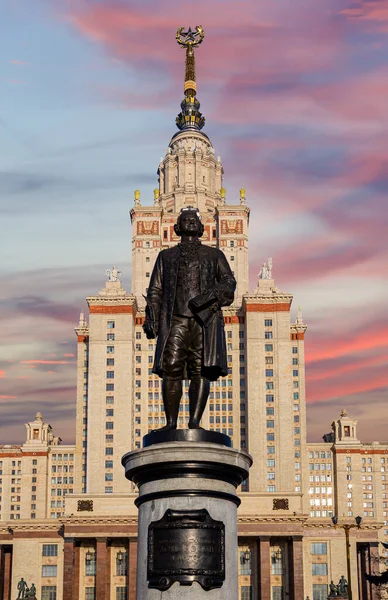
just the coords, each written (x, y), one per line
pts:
(22, 587)
(189, 285)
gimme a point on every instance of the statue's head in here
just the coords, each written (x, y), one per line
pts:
(189, 222)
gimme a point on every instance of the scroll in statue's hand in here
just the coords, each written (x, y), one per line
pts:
(203, 301)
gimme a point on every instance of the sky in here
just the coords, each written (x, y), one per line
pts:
(295, 98)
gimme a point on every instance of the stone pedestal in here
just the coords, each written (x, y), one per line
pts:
(185, 489)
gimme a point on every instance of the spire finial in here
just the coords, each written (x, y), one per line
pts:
(299, 319)
(82, 320)
(190, 117)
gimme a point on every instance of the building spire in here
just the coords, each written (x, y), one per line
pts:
(190, 117)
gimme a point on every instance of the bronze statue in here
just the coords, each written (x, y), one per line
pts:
(333, 590)
(342, 587)
(22, 587)
(189, 285)
(31, 593)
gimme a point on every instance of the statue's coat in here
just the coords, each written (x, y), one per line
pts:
(216, 281)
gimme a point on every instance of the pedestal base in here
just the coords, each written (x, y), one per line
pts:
(187, 519)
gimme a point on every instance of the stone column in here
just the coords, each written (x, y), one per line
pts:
(1, 572)
(132, 568)
(7, 574)
(296, 568)
(374, 562)
(186, 483)
(68, 570)
(102, 570)
(264, 568)
(77, 551)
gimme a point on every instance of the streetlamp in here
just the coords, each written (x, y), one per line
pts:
(120, 556)
(347, 527)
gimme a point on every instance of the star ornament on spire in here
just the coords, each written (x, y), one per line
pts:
(190, 37)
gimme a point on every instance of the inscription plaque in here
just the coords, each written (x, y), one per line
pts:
(186, 546)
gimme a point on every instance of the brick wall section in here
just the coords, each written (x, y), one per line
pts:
(296, 568)
(68, 570)
(1, 572)
(77, 552)
(102, 580)
(7, 575)
(264, 569)
(132, 568)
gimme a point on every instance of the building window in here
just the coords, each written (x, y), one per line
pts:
(110, 349)
(245, 562)
(49, 570)
(270, 424)
(110, 387)
(121, 592)
(110, 374)
(268, 322)
(269, 372)
(121, 564)
(295, 373)
(108, 451)
(109, 425)
(269, 398)
(276, 561)
(277, 592)
(270, 410)
(268, 335)
(50, 550)
(294, 349)
(49, 592)
(269, 385)
(319, 569)
(110, 337)
(110, 324)
(269, 347)
(320, 591)
(246, 592)
(90, 593)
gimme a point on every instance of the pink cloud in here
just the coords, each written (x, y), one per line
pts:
(19, 62)
(69, 355)
(371, 337)
(2, 374)
(46, 362)
(374, 12)
(4, 397)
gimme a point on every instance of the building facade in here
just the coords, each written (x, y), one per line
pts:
(67, 517)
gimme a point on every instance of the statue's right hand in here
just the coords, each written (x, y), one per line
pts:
(149, 330)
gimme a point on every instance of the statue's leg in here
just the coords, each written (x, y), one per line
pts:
(199, 386)
(174, 358)
(172, 393)
(198, 395)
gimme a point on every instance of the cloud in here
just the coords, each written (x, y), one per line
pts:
(47, 362)
(2, 374)
(372, 12)
(19, 62)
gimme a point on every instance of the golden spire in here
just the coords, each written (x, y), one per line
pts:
(190, 117)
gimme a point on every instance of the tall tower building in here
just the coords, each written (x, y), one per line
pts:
(120, 400)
